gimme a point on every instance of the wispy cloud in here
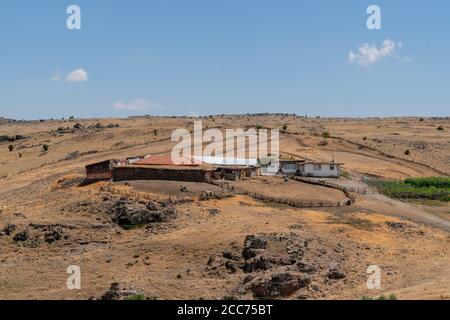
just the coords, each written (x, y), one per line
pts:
(369, 54)
(137, 105)
(77, 75)
(407, 60)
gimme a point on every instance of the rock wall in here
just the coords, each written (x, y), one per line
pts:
(149, 173)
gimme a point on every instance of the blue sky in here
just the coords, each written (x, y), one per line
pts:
(198, 57)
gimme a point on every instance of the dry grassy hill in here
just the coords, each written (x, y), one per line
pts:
(198, 249)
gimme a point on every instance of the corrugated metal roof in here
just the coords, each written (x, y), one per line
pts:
(228, 161)
(167, 161)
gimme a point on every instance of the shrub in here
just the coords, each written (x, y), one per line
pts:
(440, 128)
(285, 127)
(45, 147)
(407, 153)
(382, 297)
(326, 135)
(10, 148)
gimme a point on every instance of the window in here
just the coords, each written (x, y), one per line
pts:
(317, 167)
(332, 167)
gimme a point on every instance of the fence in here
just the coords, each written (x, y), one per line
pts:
(326, 184)
(226, 187)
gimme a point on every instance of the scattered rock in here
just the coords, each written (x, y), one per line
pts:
(52, 236)
(8, 230)
(256, 264)
(253, 245)
(72, 156)
(335, 273)
(279, 284)
(307, 268)
(129, 213)
(21, 236)
(396, 225)
(214, 212)
(118, 292)
(207, 195)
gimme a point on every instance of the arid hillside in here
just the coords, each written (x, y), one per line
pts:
(198, 240)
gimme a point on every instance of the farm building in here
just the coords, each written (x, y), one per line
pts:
(234, 173)
(163, 167)
(232, 168)
(270, 166)
(100, 170)
(320, 169)
(290, 167)
(161, 172)
(227, 161)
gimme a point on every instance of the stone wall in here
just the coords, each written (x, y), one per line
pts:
(150, 173)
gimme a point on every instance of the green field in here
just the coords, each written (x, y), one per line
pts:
(433, 188)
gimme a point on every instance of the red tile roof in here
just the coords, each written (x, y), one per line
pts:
(167, 161)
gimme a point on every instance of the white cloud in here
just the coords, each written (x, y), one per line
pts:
(78, 75)
(137, 105)
(369, 54)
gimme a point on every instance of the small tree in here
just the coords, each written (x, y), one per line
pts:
(45, 147)
(10, 148)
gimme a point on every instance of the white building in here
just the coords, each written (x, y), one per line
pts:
(320, 169)
(290, 167)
